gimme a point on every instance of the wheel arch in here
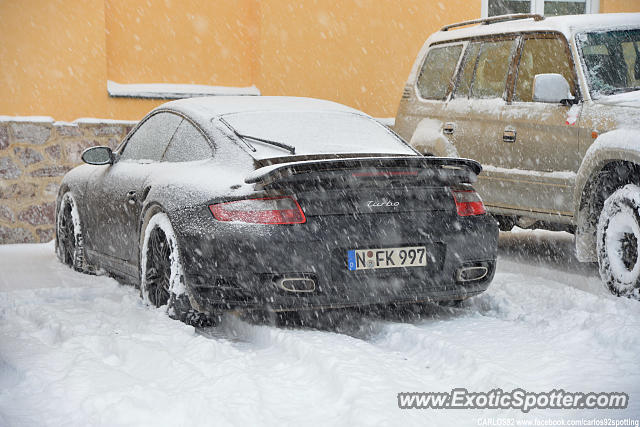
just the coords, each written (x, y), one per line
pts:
(428, 138)
(609, 164)
(147, 212)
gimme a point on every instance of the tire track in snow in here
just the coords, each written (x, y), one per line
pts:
(82, 350)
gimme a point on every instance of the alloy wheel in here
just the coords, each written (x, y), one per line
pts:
(67, 236)
(158, 271)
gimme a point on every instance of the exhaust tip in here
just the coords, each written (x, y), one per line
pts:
(471, 273)
(297, 284)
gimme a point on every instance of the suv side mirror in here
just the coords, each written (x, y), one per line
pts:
(551, 88)
(98, 156)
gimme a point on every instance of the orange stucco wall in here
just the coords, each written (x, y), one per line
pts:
(52, 58)
(57, 55)
(618, 6)
(199, 41)
(355, 52)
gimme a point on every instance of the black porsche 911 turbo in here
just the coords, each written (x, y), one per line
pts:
(220, 203)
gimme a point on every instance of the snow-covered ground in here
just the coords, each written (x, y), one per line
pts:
(79, 350)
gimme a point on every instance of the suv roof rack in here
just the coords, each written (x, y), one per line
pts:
(494, 19)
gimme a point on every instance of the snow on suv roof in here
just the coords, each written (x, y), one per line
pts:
(568, 25)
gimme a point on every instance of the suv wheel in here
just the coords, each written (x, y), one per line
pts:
(618, 238)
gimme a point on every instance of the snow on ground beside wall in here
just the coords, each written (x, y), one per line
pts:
(80, 350)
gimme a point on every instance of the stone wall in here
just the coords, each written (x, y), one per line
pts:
(35, 152)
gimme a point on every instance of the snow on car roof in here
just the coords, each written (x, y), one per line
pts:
(568, 25)
(203, 109)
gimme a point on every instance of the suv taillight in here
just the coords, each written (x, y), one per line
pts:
(273, 210)
(468, 202)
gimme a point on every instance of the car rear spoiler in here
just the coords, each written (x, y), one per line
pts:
(284, 170)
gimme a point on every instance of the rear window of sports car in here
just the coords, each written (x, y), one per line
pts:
(315, 133)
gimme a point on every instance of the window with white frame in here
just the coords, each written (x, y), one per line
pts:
(542, 7)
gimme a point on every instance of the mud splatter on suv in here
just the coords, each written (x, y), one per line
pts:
(551, 108)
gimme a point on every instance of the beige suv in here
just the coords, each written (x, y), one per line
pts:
(551, 108)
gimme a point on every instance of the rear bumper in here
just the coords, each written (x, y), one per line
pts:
(230, 265)
(259, 291)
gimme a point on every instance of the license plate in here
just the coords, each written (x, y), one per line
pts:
(370, 259)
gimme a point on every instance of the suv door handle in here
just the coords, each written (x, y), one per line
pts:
(447, 129)
(131, 197)
(509, 134)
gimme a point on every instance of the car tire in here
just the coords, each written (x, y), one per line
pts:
(618, 236)
(69, 237)
(162, 281)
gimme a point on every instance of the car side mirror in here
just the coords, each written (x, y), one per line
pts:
(551, 88)
(98, 156)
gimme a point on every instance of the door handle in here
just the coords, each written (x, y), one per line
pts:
(509, 135)
(447, 129)
(131, 197)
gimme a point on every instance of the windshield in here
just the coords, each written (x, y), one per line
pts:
(611, 60)
(315, 133)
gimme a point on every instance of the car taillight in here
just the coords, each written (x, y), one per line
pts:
(468, 202)
(274, 210)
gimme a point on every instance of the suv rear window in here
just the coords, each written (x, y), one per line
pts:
(437, 71)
